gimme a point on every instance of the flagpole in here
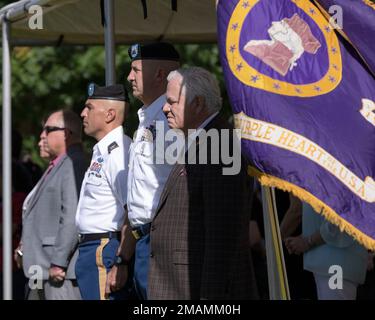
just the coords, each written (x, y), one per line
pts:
(109, 43)
(277, 275)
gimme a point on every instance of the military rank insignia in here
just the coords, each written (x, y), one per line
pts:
(112, 146)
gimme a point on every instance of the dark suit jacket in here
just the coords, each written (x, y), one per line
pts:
(199, 237)
(49, 233)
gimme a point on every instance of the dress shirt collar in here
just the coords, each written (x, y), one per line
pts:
(191, 138)
(55, 161)
(208, 120)
(150, 111)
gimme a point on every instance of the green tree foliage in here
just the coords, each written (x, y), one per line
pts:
(5, 2)
(49, 78)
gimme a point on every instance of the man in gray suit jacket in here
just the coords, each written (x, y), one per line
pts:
(49, 236)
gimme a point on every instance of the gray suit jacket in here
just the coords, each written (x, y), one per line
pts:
(49, 234)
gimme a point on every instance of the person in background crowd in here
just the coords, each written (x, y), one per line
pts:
(21, 186)
(324, 246)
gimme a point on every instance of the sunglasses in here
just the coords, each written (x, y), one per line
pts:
(49, 129)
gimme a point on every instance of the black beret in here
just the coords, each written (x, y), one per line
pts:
(114, 92)
(153, 51)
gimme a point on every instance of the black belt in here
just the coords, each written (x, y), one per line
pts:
(84, 237)
(139, 232)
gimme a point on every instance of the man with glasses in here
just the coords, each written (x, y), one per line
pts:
(49, 236)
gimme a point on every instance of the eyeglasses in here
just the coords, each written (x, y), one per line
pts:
(49, 129)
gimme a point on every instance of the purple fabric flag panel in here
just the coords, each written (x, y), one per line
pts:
(356, 18)
(304, 100)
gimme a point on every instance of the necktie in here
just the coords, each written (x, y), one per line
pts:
(50, 167)
(46, 173)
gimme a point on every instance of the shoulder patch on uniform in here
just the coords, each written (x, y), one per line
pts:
(112, 146)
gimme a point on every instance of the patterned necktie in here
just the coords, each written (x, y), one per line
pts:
(50, 167)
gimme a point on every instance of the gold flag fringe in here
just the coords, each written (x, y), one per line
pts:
(369, 3)
(318, 205)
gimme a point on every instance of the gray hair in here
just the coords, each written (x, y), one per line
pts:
(198, 82)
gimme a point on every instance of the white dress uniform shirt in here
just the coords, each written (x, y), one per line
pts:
(147, 178)
(104, 188)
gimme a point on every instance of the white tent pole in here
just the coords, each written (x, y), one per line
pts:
(109, 40)
(7, 166)
(15, 10)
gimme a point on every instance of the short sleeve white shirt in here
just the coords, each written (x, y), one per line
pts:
(147, 177)
(104, 188)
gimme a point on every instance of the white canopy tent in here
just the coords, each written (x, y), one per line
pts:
(80, 21)
(92, 22)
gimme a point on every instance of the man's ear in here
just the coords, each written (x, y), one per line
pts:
(110, 115)
(160, 75)
(198, 104)
(67, 134)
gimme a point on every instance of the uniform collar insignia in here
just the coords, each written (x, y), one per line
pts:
(112, 146)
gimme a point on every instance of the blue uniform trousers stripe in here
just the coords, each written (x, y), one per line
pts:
(142, 256)
(87, 270)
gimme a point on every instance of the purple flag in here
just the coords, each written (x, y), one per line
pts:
(357, 24)
(304, 101)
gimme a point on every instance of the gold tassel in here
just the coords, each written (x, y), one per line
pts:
(317, 204)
